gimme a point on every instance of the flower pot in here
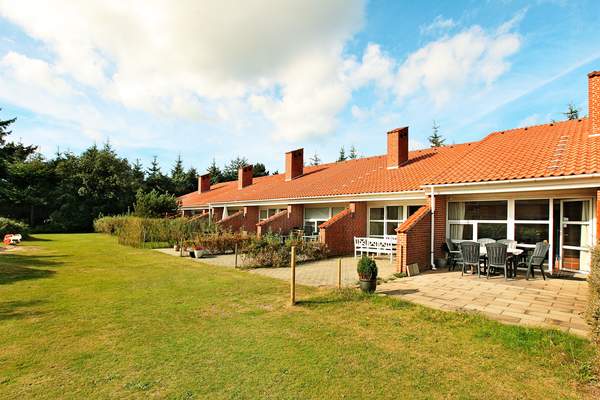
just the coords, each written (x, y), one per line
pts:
(192, 254)
(368, 286)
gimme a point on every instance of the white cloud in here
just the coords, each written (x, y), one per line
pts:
(438, 25)
(171, 58)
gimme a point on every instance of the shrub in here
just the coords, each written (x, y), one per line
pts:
(366, 268)
(8, 225)
(138, 232)
(154, 204)
(273, 251)
(222, 242)
(594, 301)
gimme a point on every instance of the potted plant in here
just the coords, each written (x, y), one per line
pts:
(367, 274)
(200, 251)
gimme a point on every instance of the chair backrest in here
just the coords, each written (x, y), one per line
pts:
(512, 244)
(470, 252)
(539, 253)
(496, 253)
(451, 245)
(485, 241)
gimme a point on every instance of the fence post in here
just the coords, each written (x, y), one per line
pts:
(236, 256)
(339, 273)
(293, 276)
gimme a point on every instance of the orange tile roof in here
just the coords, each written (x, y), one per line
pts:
(363, 175)
(557, 149)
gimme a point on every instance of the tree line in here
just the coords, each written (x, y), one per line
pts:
(66, 192)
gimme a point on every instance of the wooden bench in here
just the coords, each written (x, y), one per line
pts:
(377, 246)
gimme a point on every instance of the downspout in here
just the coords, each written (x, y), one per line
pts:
(432, 229)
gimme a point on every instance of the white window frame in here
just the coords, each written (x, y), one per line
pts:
(314, 221)
(270, 212)
(385, 219)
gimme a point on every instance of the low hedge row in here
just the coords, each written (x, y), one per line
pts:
(138, 231)
(272, 251)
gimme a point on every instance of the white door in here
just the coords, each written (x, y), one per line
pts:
(575, 235)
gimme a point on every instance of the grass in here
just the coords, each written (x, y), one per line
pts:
(82, 317)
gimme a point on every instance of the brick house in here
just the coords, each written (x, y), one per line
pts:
(528, 184)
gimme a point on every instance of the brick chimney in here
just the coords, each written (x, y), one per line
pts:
(594, 101)
(397, 147)
(294, 164)
(204, 183)
(244, 176)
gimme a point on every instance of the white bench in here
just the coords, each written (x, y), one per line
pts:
(376, 246)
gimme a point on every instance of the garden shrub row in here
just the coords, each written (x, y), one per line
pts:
(150, 232)
(271, 251)
(8, 225)
(222, 242)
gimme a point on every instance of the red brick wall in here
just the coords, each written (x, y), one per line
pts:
(294, 164)
(338, 233)
(243, 220)
(397, 147)
(594, 100)
(417, 245)
(283, 222)
(245, 176)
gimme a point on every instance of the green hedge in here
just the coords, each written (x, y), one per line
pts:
(594, 300)
(151, 232)
(271, 251)
(8, 225)
(222, 242)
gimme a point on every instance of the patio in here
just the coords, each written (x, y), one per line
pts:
(553, 303)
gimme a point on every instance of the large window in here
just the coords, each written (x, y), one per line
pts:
(532, 221)
(472, 220)
(383, 221)
(315, 216)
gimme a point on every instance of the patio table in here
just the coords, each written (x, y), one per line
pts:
(512, 254)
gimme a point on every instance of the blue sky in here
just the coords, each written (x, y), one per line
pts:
(257, 78)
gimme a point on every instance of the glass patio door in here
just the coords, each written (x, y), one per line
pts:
(575, 235)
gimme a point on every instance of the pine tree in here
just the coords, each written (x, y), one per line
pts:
(179, 182)
(315, 160)
(216, 175)
(353, 153)
(436, 140)
(155, 179)
(342, 156)
(230, 172)
(259, 169)
(572, 112)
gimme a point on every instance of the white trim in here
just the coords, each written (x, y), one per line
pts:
(523, 180)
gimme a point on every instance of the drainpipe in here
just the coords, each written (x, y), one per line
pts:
(432, 229)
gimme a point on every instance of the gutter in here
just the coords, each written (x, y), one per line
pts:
(509, 181)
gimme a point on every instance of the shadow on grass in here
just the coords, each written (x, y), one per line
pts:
(37, 239)
(19, 309)
(19, 267)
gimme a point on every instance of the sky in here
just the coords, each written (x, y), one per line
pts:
(220, 79)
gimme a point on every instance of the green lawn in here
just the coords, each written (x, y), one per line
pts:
(82, 317)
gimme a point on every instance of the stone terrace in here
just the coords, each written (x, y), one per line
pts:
(558, 303)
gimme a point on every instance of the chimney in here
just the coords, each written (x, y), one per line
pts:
(294, 164)
(204, 183)
(397, 147)
(244, 176)
(594, 101)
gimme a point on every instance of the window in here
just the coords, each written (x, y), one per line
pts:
(268, 213)
(412, 210)
(528, 210)
(383, 221)
(478, 210)
(461, 231)
(472, 220)
(313, 217)
(494, 231)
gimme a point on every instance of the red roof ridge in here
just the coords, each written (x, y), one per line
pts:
(527, 127)
(413, 219)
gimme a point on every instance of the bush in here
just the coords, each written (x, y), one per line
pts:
(138, 232)
(366, 268)
(272, 251)
(222, 242)
(594, 301)
(154, 204)
(8, 225)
